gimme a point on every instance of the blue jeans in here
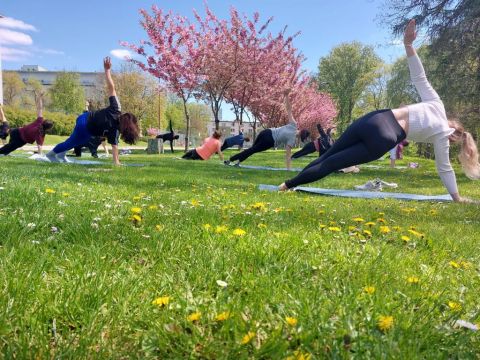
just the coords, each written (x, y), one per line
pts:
(80, 135)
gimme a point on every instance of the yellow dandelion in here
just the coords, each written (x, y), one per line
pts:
(65, 194)
(433, 212)
(381, 220)
(367, 233)
(220, 229)
(136, 210)
(259, 206)
(385, 323)
(358, 219)
(50, 191)
(413, 280)
(352, 228)
(334, 229)
(384, 229)
(381, 214)
(466, 264)
(153, 207)
(416, 233)
(409, 210)
(396, 228)
(136, 198)
(291, 321)
(405, 238)
(194, 202)
(223, 316)
(161, 301)
(321, 212)
(194, 316)
(454, 306)
(262, 226)
(159, 227)
(298, 355)
(454, 264)
(322, 226)
(248, 337)
(239, 232)
(136, 218)
(206, 227)
(369, 289)
(370, 224)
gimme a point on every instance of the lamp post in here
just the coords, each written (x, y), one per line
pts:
(1, 77)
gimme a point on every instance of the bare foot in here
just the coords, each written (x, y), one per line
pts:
(282, 187)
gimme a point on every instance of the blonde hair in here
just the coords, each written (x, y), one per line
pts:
(469, 152)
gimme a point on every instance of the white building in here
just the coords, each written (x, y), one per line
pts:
(90, 81)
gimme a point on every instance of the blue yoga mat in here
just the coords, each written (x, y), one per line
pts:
(363, 194)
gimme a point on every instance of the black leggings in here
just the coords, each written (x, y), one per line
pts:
(307, 149)
(14, 143)
(264, 141)
(192, 155)
(365, 140)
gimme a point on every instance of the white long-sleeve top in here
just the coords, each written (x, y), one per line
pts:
(428, 123)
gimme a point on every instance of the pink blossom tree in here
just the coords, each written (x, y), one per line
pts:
(175, 55)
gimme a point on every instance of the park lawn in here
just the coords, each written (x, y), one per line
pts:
(185, 259)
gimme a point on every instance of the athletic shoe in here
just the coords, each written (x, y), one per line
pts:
(52, 156)
(63, 157)
(226, 162)
(237, 164)
(372, 185)
(384, 183)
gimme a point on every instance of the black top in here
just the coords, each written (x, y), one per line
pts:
(105, 122)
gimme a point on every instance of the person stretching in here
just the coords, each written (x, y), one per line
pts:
(320, 144)
(108, 122)
(170, 136)
(235, 140)
(34, 132)
(374, 134)
(274, 137)
(210, 146)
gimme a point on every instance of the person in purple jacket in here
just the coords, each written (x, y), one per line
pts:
(374, 134)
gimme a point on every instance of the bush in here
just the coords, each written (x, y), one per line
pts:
(19, 117)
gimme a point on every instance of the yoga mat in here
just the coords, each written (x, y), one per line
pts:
(267, 168)
(382, 167)
(82, 162)
(363, 194)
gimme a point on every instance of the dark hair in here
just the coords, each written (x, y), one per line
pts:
(247, 139)
(46, 125)
(304, 134)
(129, 130)
(176, 137)
(216, 134)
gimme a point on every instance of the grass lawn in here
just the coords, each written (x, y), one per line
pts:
(183, 259)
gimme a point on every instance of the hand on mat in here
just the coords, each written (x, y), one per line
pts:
(282, 187)
(410, 33)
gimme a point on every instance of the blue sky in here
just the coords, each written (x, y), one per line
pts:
(75, 35)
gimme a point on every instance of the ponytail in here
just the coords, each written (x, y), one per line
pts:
(469, 157)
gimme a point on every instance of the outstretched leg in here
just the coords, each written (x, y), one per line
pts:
(264, 141)
(307, 149)
(14, 143)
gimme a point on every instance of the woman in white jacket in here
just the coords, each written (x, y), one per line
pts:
(374, 134)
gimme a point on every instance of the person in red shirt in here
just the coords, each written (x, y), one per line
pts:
(34, 132)
(209, 147)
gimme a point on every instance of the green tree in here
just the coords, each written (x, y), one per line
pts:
(13, 87)
(200, 115)
(345, 73)
(174, 113)
(67, 94)
(375, 95)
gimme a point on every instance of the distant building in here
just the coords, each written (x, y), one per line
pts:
(90, 81)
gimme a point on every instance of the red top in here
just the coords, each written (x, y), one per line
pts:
(33, 132)
(209, 147)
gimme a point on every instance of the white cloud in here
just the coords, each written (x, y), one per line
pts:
(121, 54)
(14, 37)
(18, 55)
(16, 24)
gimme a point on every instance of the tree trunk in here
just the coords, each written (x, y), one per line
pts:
(187, 119)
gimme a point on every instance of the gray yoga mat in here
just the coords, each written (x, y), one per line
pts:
(363, 194)
(82, 162)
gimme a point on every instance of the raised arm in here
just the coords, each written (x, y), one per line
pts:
(417, 73)
(39, 105)
(2, 114)
(288, 106)
(107, 66)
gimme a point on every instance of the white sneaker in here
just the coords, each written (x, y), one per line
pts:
(384, 183)
(372, 185)
(52, 156)
(63, 157)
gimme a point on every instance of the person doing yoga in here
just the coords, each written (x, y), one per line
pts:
(275, 137)
(210, 146)
(320, 144)
(170, 136)
(235, 140)
(108, 122)
(34, 132)
(374, 134)
(4, 127)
